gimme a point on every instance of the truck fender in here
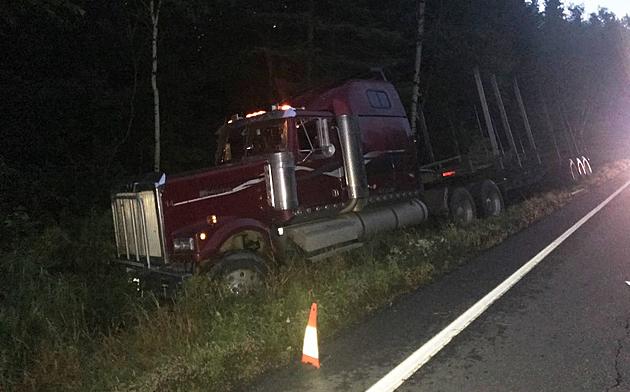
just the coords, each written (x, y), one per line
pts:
(228, 230)
(436, 200)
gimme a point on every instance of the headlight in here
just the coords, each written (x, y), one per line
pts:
(183, 244)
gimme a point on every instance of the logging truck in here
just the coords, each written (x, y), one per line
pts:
(322, 173)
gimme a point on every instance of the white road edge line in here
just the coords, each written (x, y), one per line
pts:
(397, 376)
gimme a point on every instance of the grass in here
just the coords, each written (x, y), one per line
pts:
(73, 322)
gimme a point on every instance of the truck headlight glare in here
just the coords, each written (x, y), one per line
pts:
(183, 244)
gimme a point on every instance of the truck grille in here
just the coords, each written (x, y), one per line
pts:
(138, 228)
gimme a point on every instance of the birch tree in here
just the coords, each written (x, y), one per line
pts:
(415, 97)
(154, 10)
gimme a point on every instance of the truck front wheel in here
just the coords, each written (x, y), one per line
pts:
(461, 206)
(242, 272)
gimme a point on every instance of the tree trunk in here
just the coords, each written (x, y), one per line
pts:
(549, 123)
(274, 91)
(417, 65)
(155, 14)
(415, 96)
(310, 47)
(131, 32)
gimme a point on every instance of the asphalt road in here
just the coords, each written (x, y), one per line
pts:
(563, 327)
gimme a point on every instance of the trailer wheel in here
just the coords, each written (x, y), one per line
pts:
(488, 199)
(242, 272)
(461, 206)
(573, 170)
(588, 170)
(581, 168)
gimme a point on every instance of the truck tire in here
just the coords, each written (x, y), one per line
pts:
(488, 199)
(581, 168)
(587, 166)
(461, 206)
(242, 272)
(573, 171)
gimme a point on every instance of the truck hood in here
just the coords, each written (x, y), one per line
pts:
(213, 183)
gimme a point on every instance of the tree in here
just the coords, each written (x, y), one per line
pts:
(416, 113)
(554, 10)
(154, 10)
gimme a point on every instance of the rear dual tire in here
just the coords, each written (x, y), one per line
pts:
(488, 199)
(461, 206)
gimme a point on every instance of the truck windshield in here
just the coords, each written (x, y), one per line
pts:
(253, 139)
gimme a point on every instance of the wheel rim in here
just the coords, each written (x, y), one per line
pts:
(581, 168)
(587, 166)
(242, 281)
(463, 212)
(492, 205)
(573, 168)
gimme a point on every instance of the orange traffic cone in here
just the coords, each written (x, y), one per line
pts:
(310, 352)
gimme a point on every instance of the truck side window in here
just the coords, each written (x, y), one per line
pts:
(266, 139)
(307, 135)
(378, 99)
(234, 147)
(254, 139)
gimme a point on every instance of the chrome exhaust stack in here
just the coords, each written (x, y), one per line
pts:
(280, 181)
(354, 167)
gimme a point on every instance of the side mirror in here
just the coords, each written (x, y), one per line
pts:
(328, 150)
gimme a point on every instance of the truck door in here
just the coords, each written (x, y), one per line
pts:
(319, 165)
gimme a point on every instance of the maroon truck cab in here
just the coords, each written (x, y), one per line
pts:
(324, 173)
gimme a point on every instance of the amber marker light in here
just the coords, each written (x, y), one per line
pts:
(211, 219)
(254, 114)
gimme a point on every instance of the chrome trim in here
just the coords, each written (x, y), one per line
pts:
(140, 213)
(160, 210)
(115, 218)
(146, 233)
(239, 188)
(135, 230)
(271, 199)
(154, 270)
(122, 206)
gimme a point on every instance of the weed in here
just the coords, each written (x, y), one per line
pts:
(70, 321)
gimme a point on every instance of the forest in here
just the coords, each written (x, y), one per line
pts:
(77, 110)
(77, 101)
